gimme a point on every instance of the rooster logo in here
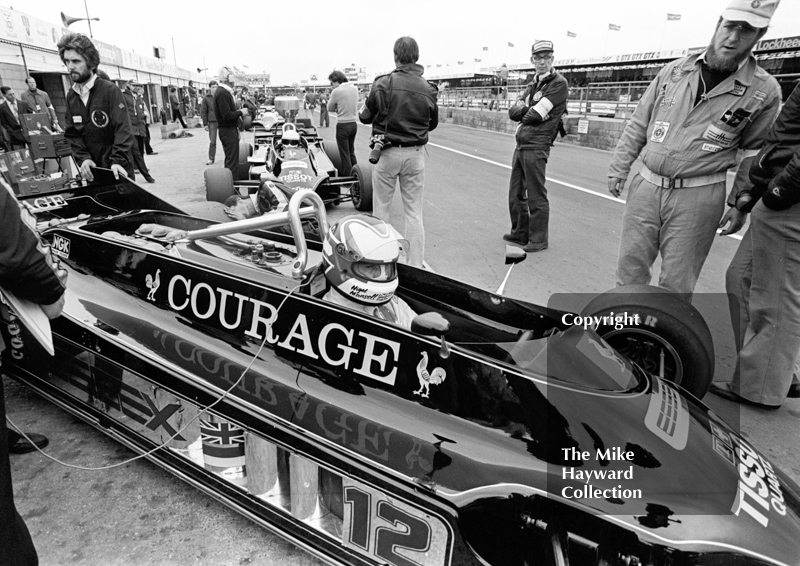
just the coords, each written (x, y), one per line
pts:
(426, 379)
(153, 283)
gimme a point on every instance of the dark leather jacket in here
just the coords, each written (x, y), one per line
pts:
(548, 95)
(402, 106)
(775, 172)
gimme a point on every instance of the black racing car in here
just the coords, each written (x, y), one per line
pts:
(492, 432)
(305, 162)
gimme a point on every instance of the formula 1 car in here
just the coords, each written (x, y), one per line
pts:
(295, 155)
(492, 432)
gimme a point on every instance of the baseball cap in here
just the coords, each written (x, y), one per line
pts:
(757, 13)
(541, 45)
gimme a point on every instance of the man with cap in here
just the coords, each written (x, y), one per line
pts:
(687, 129)
(538, 112)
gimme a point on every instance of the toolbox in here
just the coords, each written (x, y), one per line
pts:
(50, 146)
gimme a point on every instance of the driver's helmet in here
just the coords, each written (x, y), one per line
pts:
(290, 136)
(359, 258)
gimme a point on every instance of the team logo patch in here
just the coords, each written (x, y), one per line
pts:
(659, 132)
(758, 95)
(776, 191)
(738, 89)
(755, 4)
(717, 136)
(100, 118)
(711, 148)
(537, 97)
(677, 74)
(667, 103)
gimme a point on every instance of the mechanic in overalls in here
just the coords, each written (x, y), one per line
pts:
(359, 260)
(687, 128)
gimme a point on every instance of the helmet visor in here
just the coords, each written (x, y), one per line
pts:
(380, 272)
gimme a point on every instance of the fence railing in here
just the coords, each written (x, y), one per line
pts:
(596, 99)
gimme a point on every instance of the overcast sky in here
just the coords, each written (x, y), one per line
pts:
(293, 40)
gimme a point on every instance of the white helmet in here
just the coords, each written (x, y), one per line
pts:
(290, 136)
(359, 258)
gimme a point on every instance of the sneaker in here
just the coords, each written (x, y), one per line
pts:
(514, 240)
(535, 247)
(210, 162)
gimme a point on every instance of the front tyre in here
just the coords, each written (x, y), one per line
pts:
(671, 340)
(361, 191)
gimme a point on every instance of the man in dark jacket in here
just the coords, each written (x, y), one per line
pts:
(138, 128)
(402, 109)
(98, 126)
(28, 271)
(11, 111)
(538, 112)
(228, 121)
(210, 120)
(175, 106)
(764, 275)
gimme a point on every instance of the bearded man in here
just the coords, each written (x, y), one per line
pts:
(687, 128)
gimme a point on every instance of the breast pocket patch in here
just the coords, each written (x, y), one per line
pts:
(659, 132)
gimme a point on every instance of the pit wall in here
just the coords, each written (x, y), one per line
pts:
(601, 133)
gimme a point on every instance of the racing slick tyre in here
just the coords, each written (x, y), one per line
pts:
(361, 191)
(245, 151)
(671, 340)
(219, 184)
(332, 151)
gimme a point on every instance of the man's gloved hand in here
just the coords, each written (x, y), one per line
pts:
(615, 186)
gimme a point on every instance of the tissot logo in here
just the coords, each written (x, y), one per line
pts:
(61, 246)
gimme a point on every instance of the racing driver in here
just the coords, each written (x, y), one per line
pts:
(359, 260)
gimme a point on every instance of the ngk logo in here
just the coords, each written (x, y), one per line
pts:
(60, 246)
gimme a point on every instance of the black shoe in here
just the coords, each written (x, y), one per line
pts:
(723, 389)
(22, 446)
(514, 240)
(794, 391)
(153, 153)
(149, 179)
(535, 247)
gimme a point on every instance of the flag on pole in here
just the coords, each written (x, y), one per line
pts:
(486, 49)
(673, 17)
(614, 27)
(510, 44)
(477, 60)
(438, 64)
(571, 34)
(461, 62)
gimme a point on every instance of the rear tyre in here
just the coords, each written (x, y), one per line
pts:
(361, 191)
(672, 339)
(219, 184)
(332, 151)
(245, 151)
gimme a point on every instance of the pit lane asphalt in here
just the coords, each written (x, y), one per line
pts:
(139, 514)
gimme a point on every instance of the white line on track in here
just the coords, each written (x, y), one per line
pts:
(569, 185)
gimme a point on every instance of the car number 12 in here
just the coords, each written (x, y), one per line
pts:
(392, 531)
